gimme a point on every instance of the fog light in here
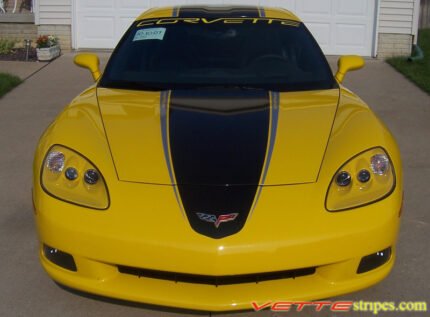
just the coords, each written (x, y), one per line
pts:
(60, 258)
(91, 177)
(343, 179)
(71, 173)
(363, 176)
(373, 261)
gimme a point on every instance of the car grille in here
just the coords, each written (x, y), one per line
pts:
(216, 280)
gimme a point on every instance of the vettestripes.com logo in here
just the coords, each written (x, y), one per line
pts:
(341, 306)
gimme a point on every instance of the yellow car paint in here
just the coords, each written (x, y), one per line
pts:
(298, 112)
(144, 226)
(89, 61)
(132, 122)
(277, 13)
(129, 228)
(347, 64)
(163, 12)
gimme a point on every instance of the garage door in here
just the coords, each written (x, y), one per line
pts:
(340, 26)
(101, 23)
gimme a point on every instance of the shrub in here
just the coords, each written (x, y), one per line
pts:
(6, 46)
(7, 83)
(46, 41)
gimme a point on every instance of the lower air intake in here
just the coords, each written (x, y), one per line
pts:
(216, 280)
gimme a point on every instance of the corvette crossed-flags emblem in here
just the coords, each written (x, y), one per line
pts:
(217, 221)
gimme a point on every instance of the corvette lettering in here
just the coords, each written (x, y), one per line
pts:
(165, 21)
(217, 221)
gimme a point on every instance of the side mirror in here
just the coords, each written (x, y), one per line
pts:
(348, 63)
(89, 61)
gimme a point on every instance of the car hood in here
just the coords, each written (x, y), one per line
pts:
(218, 136)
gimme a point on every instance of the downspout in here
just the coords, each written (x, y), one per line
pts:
(417, 52)
(376, 30)
(36, 12)
(416, 20)
(74, 27)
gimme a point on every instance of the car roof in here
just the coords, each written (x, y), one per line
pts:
(219, 12)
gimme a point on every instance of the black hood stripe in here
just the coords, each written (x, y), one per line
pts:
(218, 145)
(274, 115)
(218, 137)
(261, 12)
(217, 12)
(164, 101)
(175, 12)
(164, 117)
(274, 118)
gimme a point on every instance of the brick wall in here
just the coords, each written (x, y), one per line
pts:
(18, 32)
(63, 32)
(390, 45)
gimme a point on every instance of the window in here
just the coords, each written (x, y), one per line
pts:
(253, 54)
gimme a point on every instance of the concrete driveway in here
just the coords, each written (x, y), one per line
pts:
(25, 290)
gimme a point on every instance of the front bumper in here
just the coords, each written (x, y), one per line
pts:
(104, 279)
(127, 235)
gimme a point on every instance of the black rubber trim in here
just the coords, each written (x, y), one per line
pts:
(218, 12)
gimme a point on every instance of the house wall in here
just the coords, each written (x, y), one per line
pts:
(62, 32)
(18, 26)
(396, 27)
(55, 17)
(18, 32)
(55, 12)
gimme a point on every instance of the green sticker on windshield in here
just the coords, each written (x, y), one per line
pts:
(149, 34)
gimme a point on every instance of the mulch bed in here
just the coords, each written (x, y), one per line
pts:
(18, 54)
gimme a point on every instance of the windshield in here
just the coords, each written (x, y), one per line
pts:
(188, 53)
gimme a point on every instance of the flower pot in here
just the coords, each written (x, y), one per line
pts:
(47, 54)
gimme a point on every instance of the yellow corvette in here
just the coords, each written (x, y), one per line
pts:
(217, 162)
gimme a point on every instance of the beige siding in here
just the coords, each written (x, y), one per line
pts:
(390, 45)
(57, 12)
(396, 16)
(18, 32)
(62, 32)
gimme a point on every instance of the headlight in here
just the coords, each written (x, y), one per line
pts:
(69, 176)
(366, 178)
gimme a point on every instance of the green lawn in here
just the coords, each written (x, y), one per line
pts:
(419, 71)
(7, 83)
